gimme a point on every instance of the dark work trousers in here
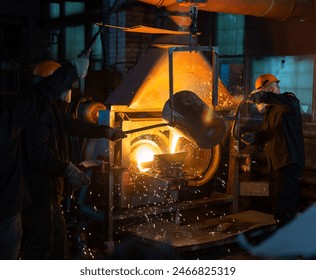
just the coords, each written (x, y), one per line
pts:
(44, 233)
(10, 237)
(284, 190)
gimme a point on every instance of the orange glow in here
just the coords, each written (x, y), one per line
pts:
(173, 142)
(144, 153)
(207, 116)
(191, 71)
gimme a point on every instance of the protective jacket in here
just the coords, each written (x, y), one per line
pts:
(46, 160)
(16, 112)
(282, 130)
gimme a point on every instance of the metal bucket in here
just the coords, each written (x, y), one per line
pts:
(193, 118)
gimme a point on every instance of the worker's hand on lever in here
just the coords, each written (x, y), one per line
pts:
(255, 97)
(115, 134)
(76, 177)
(82, 65)
(248, 138)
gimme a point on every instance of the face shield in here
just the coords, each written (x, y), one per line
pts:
(261, 107)
(66, 96)
(270, 87)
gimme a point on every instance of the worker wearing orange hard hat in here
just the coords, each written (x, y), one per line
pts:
(17, 111)
(282, 135)
(48, 168)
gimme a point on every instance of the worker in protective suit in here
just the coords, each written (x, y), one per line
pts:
(282, 135)
(47, 167)
(16, 112)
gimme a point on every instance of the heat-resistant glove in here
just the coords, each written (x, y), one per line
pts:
(248, 138)
(115, 134)
(76, 177)
(82, 65)
(255, 97)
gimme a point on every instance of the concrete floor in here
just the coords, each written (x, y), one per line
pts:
(206, 239)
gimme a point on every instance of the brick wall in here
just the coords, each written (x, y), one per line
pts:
(125, 48)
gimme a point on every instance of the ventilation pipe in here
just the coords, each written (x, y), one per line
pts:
(274, 9)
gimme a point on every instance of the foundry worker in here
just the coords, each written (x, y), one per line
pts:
(16, 112)
(47, 166)
(282, 135)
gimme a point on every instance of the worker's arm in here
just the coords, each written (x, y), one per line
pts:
(87, 130)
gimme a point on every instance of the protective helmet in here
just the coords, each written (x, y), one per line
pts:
(264, 80)
(45, 68)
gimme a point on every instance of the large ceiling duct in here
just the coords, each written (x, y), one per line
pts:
(275, 9)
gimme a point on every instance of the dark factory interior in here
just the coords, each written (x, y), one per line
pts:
(177, 77)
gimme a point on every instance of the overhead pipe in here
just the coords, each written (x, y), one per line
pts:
(275, 9)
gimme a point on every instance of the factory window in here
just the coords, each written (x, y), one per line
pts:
(74, 35)
(74, 41)
(96, 57)
(230, 34)
(230, 43)
(54, 10)
(295, 74)
(72, 8)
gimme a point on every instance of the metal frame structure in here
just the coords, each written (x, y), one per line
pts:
(111, 169)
